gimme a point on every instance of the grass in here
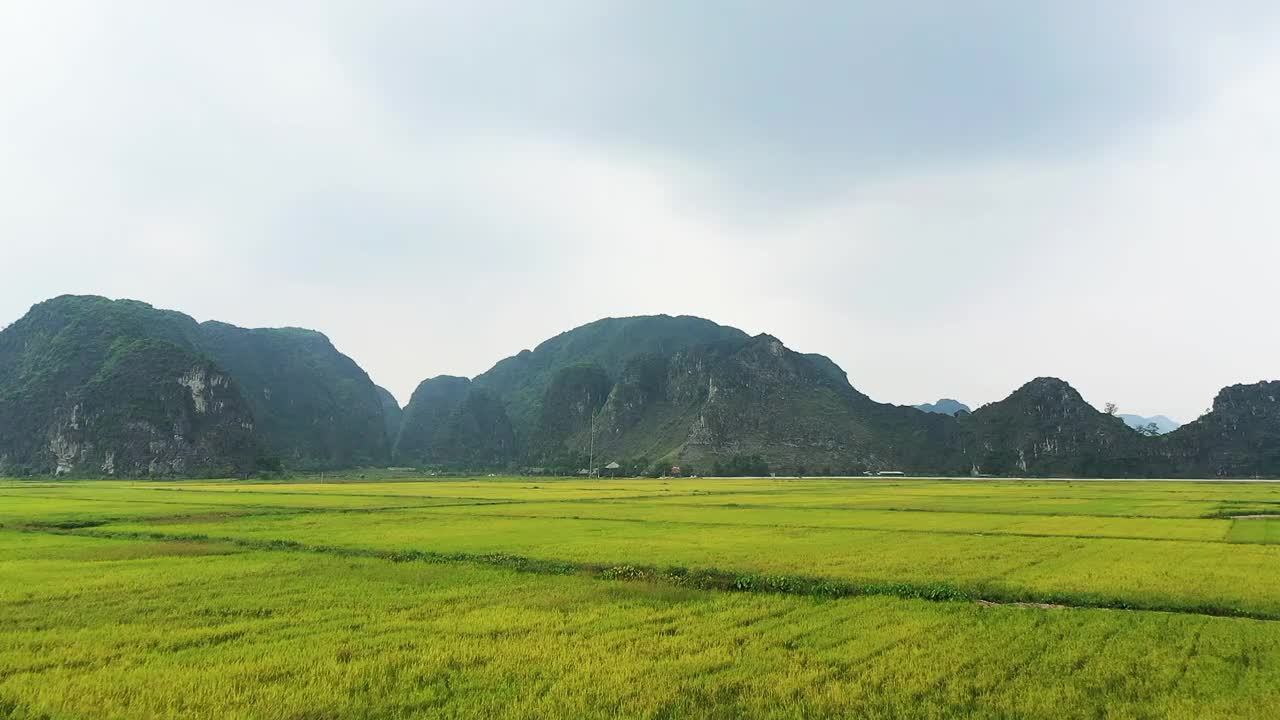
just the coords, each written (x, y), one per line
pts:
(697, 598)
(1255, 530)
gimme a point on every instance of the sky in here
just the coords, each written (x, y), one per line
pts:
(948, 199)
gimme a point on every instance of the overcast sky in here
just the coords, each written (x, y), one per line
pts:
(946, 198)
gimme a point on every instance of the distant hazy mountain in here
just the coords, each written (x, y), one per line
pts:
(1163, 423)
(945, 406)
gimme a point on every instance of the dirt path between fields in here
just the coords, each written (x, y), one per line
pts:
(1037, 606)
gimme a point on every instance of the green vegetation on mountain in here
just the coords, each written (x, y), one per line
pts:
(90, 386)
(663, 391)
(522, 380)
(392, 415)
(313, 405)
(116, 387)
(450, 423)
(94, 386)
(1239, 437)
(656, 392)
(1046, 428)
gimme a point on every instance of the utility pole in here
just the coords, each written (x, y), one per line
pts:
(591, 442)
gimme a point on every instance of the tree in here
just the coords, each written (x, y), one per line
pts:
(741, 466)
(639, 466)
(1111, 408)
(1150, 429)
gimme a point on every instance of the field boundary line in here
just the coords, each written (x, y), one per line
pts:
(713, 579)
(859, 528)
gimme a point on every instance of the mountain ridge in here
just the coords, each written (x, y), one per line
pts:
(180, 387)
(1164, 424)
(945, 406)
(117, 387)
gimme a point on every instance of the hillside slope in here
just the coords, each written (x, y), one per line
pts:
(92, 386)
(314, 406)
(392, 415)
(1046, 428)
(96, 386)
(522, 380)
(453, 424)
(664, 390)
(1238, 437)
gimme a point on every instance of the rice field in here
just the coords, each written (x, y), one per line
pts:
(544, 598)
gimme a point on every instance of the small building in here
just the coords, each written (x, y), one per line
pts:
(891, 473)
(675, 471)
(612, 468)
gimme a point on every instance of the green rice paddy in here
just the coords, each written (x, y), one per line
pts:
(545, 598)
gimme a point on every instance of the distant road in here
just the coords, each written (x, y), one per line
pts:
(986, 479)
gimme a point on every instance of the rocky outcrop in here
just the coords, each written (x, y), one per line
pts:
(1239, 437)
(153, 409)
(695, 403)
(93, 386)
(1046, 428)
(521, 381)
(90, 386)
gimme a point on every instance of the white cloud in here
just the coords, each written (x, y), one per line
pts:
(436, 187)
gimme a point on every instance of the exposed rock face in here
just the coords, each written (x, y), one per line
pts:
(575, 394)
(681, 390)
(521, 381)
(756, 397)
(688, 392)
(1046, 428)
(149, 408)
(92, 386)
(174, 427)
